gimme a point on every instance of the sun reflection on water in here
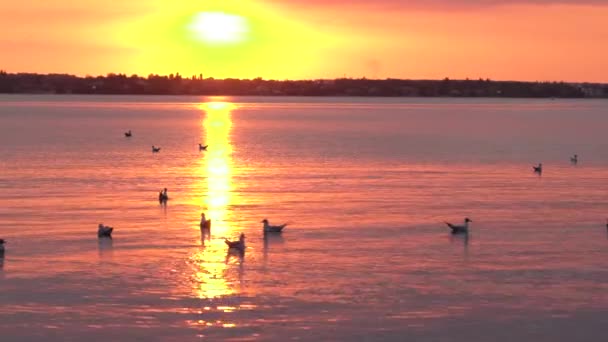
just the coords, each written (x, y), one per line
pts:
(217, 126)
(215, 171)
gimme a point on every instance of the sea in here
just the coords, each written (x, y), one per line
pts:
(365, 185)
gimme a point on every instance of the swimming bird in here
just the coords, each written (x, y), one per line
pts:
(202, 148)
(239, 244)
(2, 242)
(538, 169)
(155, 149)
(128, 134)
(104, 231)
(460, 229)
(272, 229)
(574, 160)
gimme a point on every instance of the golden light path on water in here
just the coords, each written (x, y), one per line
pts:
(212, 269)
(217, 125)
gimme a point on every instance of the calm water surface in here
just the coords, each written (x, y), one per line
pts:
(366, 185)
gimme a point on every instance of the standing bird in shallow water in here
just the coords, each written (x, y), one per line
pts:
(460, 229)
(128, 134)
(2, 242)
(574, 160)
(205, 224)
(239, 244)
(163, 196)
(104, 231)
(538, 169)
(155, 149)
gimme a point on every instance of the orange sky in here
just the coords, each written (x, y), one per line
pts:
(302, 39)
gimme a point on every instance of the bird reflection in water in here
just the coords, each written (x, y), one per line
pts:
(237, 256)
(271, 239)
(163, 206)
(106, 247)
(2, 242)
(461, 238)
(205, 235)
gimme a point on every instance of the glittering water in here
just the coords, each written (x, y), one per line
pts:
(366, 185)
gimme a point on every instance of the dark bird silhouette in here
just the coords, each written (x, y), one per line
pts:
(155, 149)
(239, 244)
(272, 229)
(163, 196)
(205, 224)
(202, 148)
(574, 159)
(128, 134)
(538, 169)
(104, 231)
(460, 229)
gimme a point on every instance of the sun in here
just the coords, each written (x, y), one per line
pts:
(219, 27)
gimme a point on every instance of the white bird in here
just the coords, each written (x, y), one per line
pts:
(574, 160)
(239, 244)
(272, 229)
(460, 229)
(104, 231)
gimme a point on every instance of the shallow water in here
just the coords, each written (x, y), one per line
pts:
(366, 185)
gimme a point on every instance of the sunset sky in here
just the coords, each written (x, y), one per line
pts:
(303, 39)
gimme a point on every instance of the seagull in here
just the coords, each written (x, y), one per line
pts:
(460, 229)
(155, 149)
(202, 148)
(574, 160)
(272, 229)
(205, 224)
(2, 242)
(239, 244)
(162, 195)
(128, 134)
(538, 169)
(104, 231)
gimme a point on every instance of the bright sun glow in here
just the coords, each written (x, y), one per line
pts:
(219, 28)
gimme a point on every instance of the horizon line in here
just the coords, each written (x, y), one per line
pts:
(192, 77)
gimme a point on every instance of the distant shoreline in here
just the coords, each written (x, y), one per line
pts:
(120, 84)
